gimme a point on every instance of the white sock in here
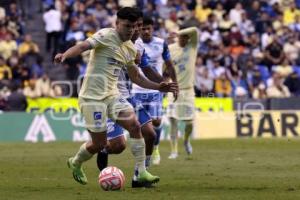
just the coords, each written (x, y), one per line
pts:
(138, 151)
(82, 155)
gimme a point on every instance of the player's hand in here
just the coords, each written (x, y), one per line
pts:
(168, 87)
(176, 92)
(175, 95)
(59, 58)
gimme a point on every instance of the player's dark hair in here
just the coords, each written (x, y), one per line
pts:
(147, 21)
(129, 13)
(183, 26)
(140, 13)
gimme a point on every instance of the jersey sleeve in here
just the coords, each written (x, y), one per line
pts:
(130, 60)
(99, 39)
(144, 60)
(166, 53)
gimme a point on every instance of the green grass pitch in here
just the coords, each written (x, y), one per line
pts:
(220, 169)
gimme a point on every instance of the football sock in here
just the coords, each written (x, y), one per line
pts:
(82, 155)
(188, 130)
(157, 138)
(138, 151)
(173, 136)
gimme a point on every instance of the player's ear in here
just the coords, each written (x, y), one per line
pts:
(117, 22)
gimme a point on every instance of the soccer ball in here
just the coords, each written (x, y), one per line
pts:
(111, 178)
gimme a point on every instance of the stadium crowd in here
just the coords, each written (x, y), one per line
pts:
(248, 49)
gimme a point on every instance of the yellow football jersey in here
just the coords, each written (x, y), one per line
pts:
(108, 56)
(184, 59)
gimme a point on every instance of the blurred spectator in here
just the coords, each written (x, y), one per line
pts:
(223, 86)
(219, 11)
(262, 23)
(290, 13)
(16, 101)
(284, 70)
(171, 23)
(28, 46)
(100, 14)
(254, 11)
(259, 91)
(183, 14)
(246, 26)
(74, 33)
(278, 23)
(164, 9)
(43, 86)
(293, 83)
(239, 85)
(266, 37)
(278, 89)
(225, 24)
(274, 54)
(296, 25)
(7, 46)
(27, 8)
(5, 71)
(218, 70)
(127, 3)
(236, 48)
(204, 81)
(31, 91)
(202, 11)
(2, 15)
(53, 27)
(3, 32)
(14, 12)
(235, 14)
(291, 49)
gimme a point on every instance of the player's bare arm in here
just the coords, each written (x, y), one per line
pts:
(191, 33)
(72, 52)
(140, 80)
(152, 74)
(172, 73)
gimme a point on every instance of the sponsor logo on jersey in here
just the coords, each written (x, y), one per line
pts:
(97, 115)
(122, 100)
(98, 124)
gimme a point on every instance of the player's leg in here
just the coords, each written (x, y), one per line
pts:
(125, 116)
(186, 112)
(146, 127)
(173, 138)
(156, 154)
(95, 117)
(187, 135)
(115, 145)
(148, 134)
(155, 110)
(86, 152)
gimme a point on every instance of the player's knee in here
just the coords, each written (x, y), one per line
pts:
(149, 134)
(156, 122)
(120, 148)
(97, 146)
(134, 127)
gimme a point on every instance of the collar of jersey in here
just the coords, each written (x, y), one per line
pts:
(119, 39)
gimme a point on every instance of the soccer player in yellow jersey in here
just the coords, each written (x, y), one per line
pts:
(183, 54)
(99, 97)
